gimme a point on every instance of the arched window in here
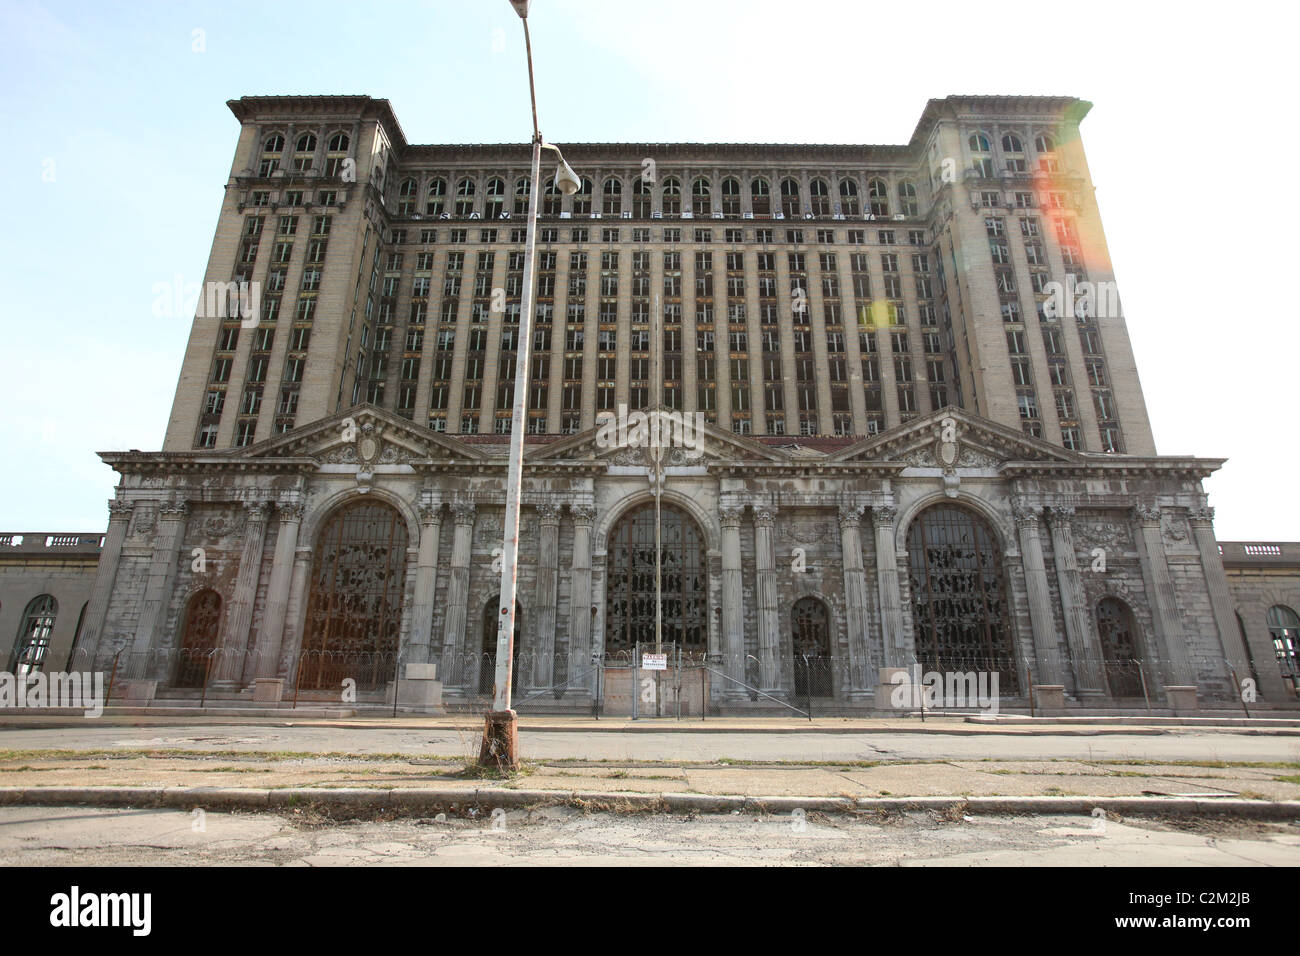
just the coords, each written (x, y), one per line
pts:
(790, 198)
(34, 633)
(522, 191)
(701, 197)
(552, 199)
(630, 592)
(465, 191)
(672, 198)
(272, 150)
(1121, 650)
(495, 203)
(336, 154)
(1284, 628)
(406, 198)
(820, 196)
(306, 151)
(959, 606)
(435, 203)
(306, 143)
(198, 638)
(878, 194)
(1045, 147)
(1013, 151)
(849, 198)
(760, 197)
(907, 198)
(640, 199)
(981, 159)
(582, 199)
(354, 611)
(731, 197)
(612, 197)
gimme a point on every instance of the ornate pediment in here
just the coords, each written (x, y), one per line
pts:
(365, 436)
(952, 439)
(632, 439)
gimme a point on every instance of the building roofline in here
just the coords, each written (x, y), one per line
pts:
(1067, 109)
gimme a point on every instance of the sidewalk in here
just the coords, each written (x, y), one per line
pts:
(1009, 724)
(386, 780)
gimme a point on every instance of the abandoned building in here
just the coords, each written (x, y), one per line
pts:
(903, 426)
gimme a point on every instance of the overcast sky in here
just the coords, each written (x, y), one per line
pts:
(118, 144)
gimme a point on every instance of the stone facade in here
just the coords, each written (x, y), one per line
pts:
(974, 484)
(780, 522)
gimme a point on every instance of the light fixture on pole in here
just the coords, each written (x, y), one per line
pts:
(500, 746)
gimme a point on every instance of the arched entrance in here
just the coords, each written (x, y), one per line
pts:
(959, 607)
(811, 641)
(354, 612)
(198, 638)
(630, 581)
(487, 667)
(1120, 648)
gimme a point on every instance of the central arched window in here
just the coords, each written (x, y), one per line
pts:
(959, 607)
(354, 613)
(630, 592)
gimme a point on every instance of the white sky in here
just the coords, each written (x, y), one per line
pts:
(1191, 142)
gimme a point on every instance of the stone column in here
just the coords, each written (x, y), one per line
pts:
(119, 520)
(733, 601)
(769, 615)
(548, 594)
(158, 586)
(1049, 669)
(294, 616)
(855, 600)
(1085, 650)
(1225, 617)
(426, 576)
(234, 644)
(453, 633)
(897, 653)
(580, 649)
(1164, 600)
(277, 590)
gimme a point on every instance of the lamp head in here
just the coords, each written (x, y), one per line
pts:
(521, 8)
(566, 180)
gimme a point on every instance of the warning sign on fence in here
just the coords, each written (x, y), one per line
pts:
(654, 662)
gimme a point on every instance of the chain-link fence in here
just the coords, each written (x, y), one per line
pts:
(693, 683)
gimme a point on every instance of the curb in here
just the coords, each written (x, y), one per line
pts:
(415, 800)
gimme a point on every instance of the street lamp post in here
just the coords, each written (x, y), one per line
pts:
(500, 746)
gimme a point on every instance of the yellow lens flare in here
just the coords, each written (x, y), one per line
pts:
(880, 314)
